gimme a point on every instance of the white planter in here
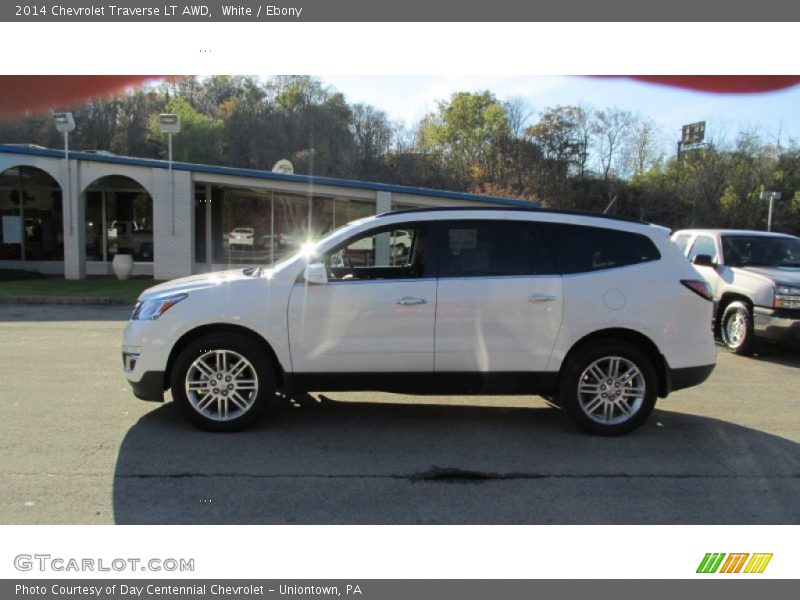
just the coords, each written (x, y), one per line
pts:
(123, 265)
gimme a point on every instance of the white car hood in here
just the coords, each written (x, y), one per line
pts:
(196, 282)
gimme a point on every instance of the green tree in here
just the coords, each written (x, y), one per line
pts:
(467, 132)
(200, 139)
(372, 134)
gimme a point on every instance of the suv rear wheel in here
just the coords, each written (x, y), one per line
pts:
(222, 382)
(736, 329)
(608, 388)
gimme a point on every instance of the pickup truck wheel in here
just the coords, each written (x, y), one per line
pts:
(608, 388)
(222, 382)
(736, 329)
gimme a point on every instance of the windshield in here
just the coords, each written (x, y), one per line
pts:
(761, 251)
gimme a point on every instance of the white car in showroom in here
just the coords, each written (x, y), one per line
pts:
(755, 280)
(242, 237)
(601, 315)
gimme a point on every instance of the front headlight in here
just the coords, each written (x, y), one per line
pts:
(152, 309)
(786, 297)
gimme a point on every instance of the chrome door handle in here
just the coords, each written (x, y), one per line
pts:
(537, 298)
(411, 301)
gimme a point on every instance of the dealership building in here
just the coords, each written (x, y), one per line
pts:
(73, 216)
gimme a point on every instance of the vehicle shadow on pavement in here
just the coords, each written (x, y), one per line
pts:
(787, 355)
(362, 463)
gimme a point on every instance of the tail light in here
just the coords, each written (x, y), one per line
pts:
(699, 287)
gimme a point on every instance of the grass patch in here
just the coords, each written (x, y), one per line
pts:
(107, 289)
(17, 274)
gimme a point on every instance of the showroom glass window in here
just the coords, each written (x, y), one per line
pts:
(31, 218)
(261, 226)
(119, 219)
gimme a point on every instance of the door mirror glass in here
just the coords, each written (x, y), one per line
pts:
(316, 274)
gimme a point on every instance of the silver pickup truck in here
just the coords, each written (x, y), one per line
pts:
(755, 278)
(131, 238)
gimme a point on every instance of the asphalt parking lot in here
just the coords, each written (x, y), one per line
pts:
(77, 447)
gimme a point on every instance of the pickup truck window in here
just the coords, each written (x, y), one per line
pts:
(763, 251)
(704, 245)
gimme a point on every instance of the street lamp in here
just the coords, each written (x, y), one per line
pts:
(771, 196)
(64, 124)
(169, 123)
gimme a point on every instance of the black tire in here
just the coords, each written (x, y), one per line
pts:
(736, 329)
(632, 390)
(206, 407)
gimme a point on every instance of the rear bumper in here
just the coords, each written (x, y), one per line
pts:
(776, 324)
(688, 376)
(149, 387)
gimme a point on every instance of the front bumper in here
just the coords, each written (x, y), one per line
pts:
(149, 387)
(776, 324)
(144, 359)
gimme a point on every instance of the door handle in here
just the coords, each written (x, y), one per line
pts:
(411, 301)
(538, 298)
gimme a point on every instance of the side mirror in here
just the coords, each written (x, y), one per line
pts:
(704, 260)
(316, 274)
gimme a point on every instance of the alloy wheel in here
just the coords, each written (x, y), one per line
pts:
(221, 385)
(611, 390)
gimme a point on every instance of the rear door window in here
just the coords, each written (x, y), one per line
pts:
(489, 249)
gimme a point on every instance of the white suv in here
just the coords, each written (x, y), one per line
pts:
(600, 315)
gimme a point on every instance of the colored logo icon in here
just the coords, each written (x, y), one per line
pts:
(719, 562)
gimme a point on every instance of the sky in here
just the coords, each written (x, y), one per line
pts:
(408, 98)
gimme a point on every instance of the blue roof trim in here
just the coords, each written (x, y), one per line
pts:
(254, 174)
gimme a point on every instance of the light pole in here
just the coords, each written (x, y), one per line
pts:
(169, 124)
(64, 124)
(771, 196)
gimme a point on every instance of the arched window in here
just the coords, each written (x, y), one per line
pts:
(31, 223)
(119, 219)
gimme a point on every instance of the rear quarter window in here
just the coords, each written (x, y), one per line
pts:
(583, 249)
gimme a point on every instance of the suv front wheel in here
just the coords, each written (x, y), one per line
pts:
(608, 388)
(222, 382)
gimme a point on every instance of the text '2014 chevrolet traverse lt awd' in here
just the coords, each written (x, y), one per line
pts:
(600, 315)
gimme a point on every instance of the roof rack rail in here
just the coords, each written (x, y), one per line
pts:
(576, 213)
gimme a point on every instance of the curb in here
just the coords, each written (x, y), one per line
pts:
(79, 300)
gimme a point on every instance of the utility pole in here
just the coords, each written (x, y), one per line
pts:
(771, 196)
